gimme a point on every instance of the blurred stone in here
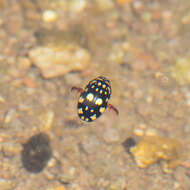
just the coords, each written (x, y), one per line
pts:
(91, 144)
(49, 16)
(6, 184)
(128, 144)
(111, 135)
(122, 2)
(105, 5)
(77, 6)
(36, 153)
(20, 68)
(47, 119)
(181, 70)
(153, 148)
(54, 60)
(10, 148)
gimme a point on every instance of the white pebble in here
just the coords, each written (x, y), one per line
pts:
(138, 132)
(49, 16)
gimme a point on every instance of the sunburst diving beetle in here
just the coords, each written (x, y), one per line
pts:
(93, 100)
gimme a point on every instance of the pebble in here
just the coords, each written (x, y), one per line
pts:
(142, 126)
(122, 2)
(24, 63)
(57, 187)
(149, 99)
(147, 17)
(105, 5)
(49, 175)
(119, 184)
(153, 148)
(6, 184)
(2, 100)
(10, 115)
(60, 187)
(1, 22)
(182, 178)
(11, 148)
(181, 70)
(20, 68)
(74, 7)
(77, 6)
(75, 186)
(91, 144)
(51, 163)
(117, 53)
(111, 135)
(47, 120)
(187, 128)
(138, 132)
(54, 61)
(164, 80)
(186, 19)
(138, 5)
(36, 153)
(49, 16)
(151, 132)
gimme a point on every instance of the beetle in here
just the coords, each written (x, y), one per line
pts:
(93, 100)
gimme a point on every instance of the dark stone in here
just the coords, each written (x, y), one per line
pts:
(128, 143)
(36, 153)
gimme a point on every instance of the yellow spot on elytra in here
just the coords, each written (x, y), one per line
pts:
(97, 89)
(87, 119)
(102, 109)
(91, 110)
(109, 89)
(92, 82)
(90, 97)
(86, 108)
(92, 86)
(99, 83)
(103, 86)
(105, 93)
(93, 117)
(82, 117)
(100, 78)
(80, 111)
(81, 100)
(99, 101)
(101, 91)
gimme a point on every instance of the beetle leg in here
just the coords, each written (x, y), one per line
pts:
(77, 89)
(113, 108)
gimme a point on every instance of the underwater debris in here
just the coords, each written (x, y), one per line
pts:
(36, 153)
(154, 148)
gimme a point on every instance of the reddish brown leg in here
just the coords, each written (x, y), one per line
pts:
(113, 108)
(77, 89)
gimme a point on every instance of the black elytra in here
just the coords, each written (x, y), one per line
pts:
(93, 100)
